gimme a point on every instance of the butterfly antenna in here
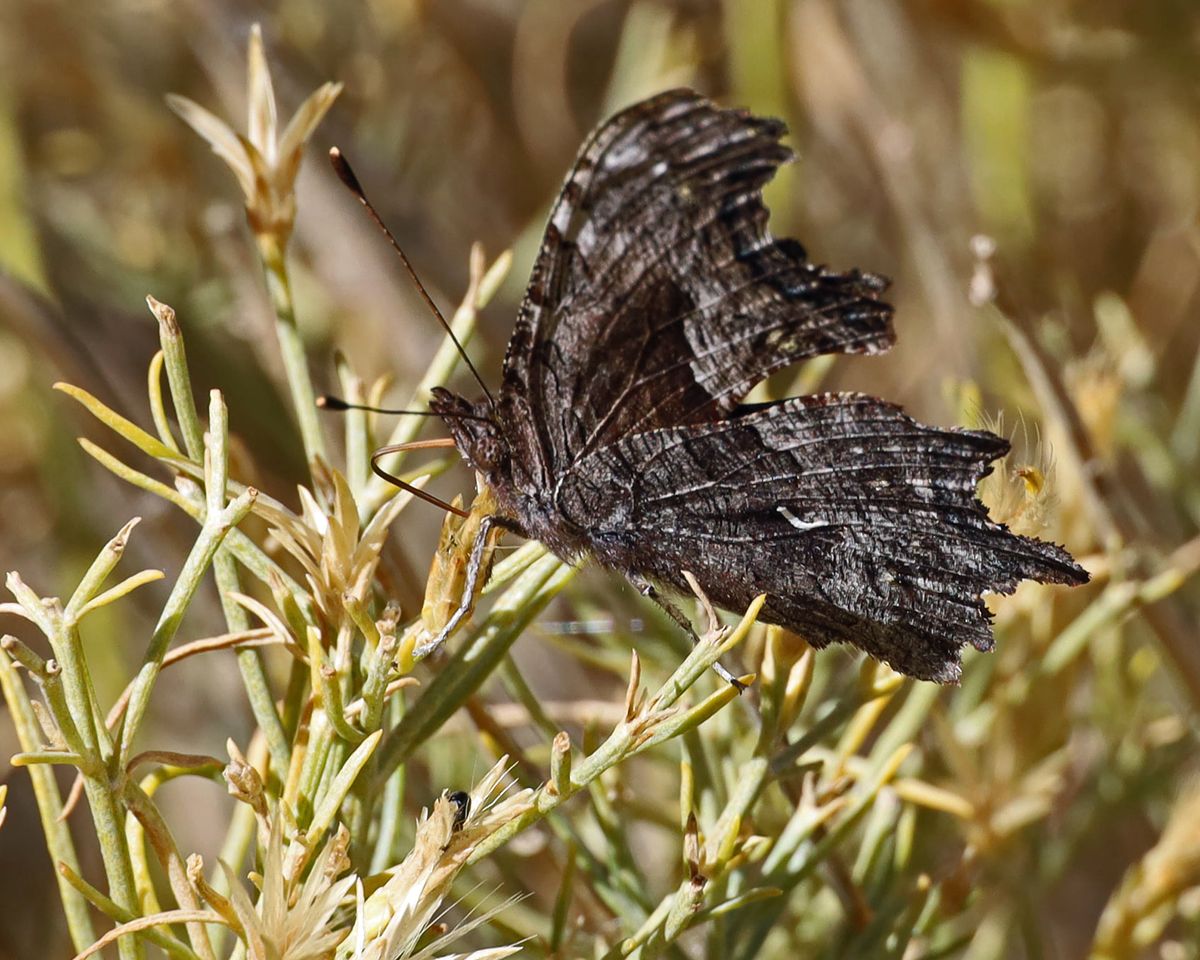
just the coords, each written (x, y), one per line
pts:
(346, 174)
(404, 485)
(328, 401)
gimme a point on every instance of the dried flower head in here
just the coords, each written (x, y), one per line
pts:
(264, 163)
(244, 782)
(293, 919)
(1021, 492)
(391, 921)
(338, 554)
(1097, 386)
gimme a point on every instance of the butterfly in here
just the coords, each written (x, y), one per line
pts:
(619, 434)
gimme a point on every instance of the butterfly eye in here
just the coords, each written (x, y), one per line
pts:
(488, 452)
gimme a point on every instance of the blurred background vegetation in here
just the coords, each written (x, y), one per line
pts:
(1069, 133)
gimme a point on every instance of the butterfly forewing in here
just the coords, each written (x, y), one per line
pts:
(659, 296)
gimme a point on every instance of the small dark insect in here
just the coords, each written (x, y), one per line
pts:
(657, 301)
(462, 808)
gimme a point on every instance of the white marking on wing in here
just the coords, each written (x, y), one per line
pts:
(799, 524)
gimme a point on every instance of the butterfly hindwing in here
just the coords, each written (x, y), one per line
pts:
(859, 523)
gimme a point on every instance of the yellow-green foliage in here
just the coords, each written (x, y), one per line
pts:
(266, 770)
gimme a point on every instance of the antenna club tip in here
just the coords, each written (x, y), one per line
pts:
(328, 402)
(341, 166)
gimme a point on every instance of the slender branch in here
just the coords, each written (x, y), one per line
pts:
(57, 834)
(291, 347)
(217, 522)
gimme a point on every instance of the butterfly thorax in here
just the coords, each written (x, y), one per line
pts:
(526, 507)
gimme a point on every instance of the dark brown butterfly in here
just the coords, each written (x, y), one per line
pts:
(658, 300)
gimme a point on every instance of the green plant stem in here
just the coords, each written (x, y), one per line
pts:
(374, 686)
(179, 380)
(250, 663)
(46, 757)
(142, 807)
(358, 439)
(158, 407)
(108, 816)
(81, 696)
(57, 834)
(66, 696)
(752, 777)
(321, 737)
(135, 843)
(391, 801)
(328, 804)
(473, 663)
(68, 699)
(291, 347)
(334, 706)
(213, 531)
(254, 678)
(159, 936)
(655, 722)
(99, 570)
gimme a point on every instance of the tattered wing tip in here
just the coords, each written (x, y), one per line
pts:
(945, 670)
(1059, 565)
(951, 674)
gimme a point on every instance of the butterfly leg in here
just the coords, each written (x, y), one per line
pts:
(475, 574)
(647, 589)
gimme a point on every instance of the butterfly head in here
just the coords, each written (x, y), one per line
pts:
(476, 434)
